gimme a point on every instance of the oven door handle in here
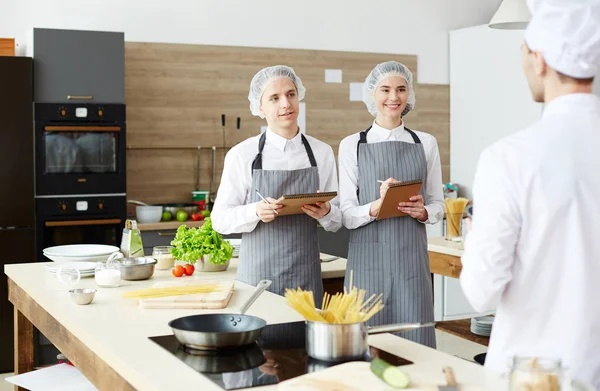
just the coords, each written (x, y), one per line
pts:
(82, 128)
(76, 223)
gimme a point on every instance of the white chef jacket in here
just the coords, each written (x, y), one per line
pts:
(232, 214)
(534, 247)
(356, 215)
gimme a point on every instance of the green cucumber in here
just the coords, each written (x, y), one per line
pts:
(390, 374)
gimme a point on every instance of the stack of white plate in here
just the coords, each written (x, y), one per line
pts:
(86, 269)
(482, 325)
(80, 253)
(236, 244)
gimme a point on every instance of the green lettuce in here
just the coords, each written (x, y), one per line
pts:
(192, 243)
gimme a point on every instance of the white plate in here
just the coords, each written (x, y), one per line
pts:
(80, 250)
(83, 267)
(95, 258)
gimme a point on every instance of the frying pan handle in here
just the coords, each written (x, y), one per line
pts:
(222, 119)
(394, 328)
(260, 288)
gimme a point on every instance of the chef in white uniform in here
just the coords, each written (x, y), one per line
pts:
(533, 252)
(284, 249)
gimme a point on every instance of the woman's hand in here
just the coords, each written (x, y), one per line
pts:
(318, 211)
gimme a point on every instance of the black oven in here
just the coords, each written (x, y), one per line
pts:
(79, 219)
(79, 148)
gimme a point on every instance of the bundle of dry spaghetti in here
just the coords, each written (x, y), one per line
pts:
(455, 207)
(347, 307)
(172, 291)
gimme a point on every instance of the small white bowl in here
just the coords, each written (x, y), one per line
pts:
(148, 214)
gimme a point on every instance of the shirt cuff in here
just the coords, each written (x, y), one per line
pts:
(250, 213)
(365, 210)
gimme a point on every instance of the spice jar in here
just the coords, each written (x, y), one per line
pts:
(108, 274)
(164, 257)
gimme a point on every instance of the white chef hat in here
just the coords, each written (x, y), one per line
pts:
(266, 76)
(567, 34)
(378, 74)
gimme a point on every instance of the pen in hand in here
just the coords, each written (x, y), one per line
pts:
(263, 198)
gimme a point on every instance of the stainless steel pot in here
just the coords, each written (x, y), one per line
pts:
(341, 342)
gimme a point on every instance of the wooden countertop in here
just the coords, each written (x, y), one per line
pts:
(108, 339)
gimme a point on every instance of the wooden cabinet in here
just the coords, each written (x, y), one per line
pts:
(78, 66)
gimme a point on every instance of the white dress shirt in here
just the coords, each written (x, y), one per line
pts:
(356, 215)
(232, 213)
(533, 252)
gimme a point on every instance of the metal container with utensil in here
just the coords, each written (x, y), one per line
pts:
(340, 342)
(135, 269)
(214, 331)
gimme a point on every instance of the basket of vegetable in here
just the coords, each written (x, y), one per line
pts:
(203, 247)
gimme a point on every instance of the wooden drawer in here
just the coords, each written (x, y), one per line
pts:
(7, 46)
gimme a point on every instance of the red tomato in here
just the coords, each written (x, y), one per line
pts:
(189, 269)
(197, 217)
(178, 271)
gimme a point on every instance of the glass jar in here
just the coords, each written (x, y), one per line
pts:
(453, 225)
(164, 257)
(108, 274)
(535, 374)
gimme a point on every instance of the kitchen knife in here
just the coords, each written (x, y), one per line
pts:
(450, 380)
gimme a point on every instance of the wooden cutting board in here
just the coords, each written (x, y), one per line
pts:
(213, 300)
(357, 376)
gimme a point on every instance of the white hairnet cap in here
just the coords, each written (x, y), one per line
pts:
(378, 74)
(266, 76)
(567, 34)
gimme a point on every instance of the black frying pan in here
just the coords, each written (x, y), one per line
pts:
(214, 331)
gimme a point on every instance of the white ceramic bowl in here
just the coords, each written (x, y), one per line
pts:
(81, 250)
(148, 214)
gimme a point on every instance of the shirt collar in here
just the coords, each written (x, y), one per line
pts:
(280, 142)
(567, 103)
(386, 134)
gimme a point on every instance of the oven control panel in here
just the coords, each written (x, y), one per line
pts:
(82, 206)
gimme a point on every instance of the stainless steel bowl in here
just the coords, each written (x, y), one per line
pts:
(82, 296)
(134, 269)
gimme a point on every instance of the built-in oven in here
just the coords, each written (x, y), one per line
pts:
(79, 219)
(79, 148)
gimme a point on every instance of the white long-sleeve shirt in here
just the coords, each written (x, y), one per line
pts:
(232, 213)
(356, 215)
(533, 252)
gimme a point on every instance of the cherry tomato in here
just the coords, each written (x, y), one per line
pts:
(196, 217)
(178, 271)
(189, 269)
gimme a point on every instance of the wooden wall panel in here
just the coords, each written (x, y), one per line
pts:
(176, 93)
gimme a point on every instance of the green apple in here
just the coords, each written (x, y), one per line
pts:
(181, 215)
(205, 213)
(166, 216)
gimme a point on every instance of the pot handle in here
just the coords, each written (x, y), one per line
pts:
(260, 288)
(394, 328)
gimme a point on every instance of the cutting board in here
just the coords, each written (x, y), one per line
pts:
(357, 376)
(213, 300)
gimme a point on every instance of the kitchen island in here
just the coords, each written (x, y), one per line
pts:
(108, 340)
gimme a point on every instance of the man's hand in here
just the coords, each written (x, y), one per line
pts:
(415, 208)
(267, 212)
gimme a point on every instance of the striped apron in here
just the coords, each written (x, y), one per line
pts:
(390, 256)
(286, 250)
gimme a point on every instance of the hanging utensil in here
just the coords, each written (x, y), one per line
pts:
(213, 331)
(223, 127)
(198, 169)
(237, 133)
(212, 195)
